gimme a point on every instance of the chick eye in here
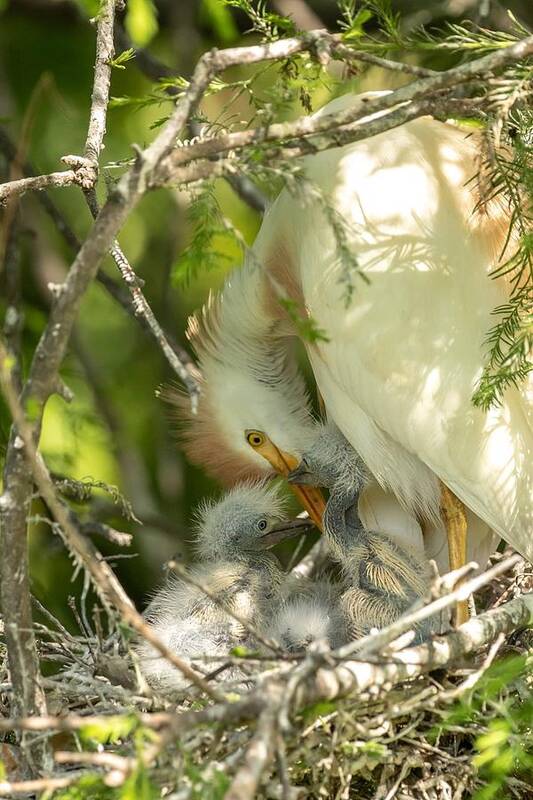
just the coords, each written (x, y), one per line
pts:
(262, 524)
(255, 438)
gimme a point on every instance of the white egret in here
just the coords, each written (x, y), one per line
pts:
(402, 357)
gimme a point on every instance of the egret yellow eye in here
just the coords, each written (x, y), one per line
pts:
(255, 438)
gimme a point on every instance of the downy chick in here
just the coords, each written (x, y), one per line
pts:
(313, 615)
(233, 538)
(382, 579)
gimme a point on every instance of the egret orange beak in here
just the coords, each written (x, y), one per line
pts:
(310, 497)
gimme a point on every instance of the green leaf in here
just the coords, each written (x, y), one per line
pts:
(220, 19)
(240, 651)
(320, 709)
(139, 787)
(109, 729)
(355, 30)
(307, 327)
(141, 21)
(123, 58)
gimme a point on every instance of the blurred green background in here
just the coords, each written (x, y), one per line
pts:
(116, 430)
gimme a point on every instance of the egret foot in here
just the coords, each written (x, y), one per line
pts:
(454, 518)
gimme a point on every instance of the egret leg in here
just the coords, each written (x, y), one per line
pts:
(454, 518)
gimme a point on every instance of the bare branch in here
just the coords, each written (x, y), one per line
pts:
(117, 292)
(105, 581)
(373, 643)
(186, 371)
(37, 182)
(355, 677)
(105, 49)
(257, 757)
(45, 785)
(344, 126)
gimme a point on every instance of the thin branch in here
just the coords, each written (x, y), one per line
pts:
(355, 677)
(155, 69)
(349, 55)
(116, 291)
(186, 371)
(86, 555)
(45, 785)
(84, 170)
(343, 125)
(37, 182)
(373, 643)
(119, 538)
(257, 756)
(105, 50)
(320, 681)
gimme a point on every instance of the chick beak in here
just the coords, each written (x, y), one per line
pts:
(283, 531)
(299, 475)
(310, 497)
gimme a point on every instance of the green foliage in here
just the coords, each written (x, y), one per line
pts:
(210, 231)
(306, 326)
(139, 786)
(110, 729)
(270, 25)
(510, 340)
(123, 58)
(241, 651)
(81, 492)
(501, 706)
(466, 38)
(89, 787)
(220, 19)
(141, 21)
(316, 710)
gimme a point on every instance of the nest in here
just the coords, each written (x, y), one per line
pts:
(448, 719)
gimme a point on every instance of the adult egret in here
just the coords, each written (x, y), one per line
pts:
(403, 354)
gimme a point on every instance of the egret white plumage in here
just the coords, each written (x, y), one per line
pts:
(381, 578)
(233, 538)
(402, 357)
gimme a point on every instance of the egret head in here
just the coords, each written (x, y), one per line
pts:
(247, 520)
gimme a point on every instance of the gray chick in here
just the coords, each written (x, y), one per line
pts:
(233, 538)
(311, 613)
(382, 579)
